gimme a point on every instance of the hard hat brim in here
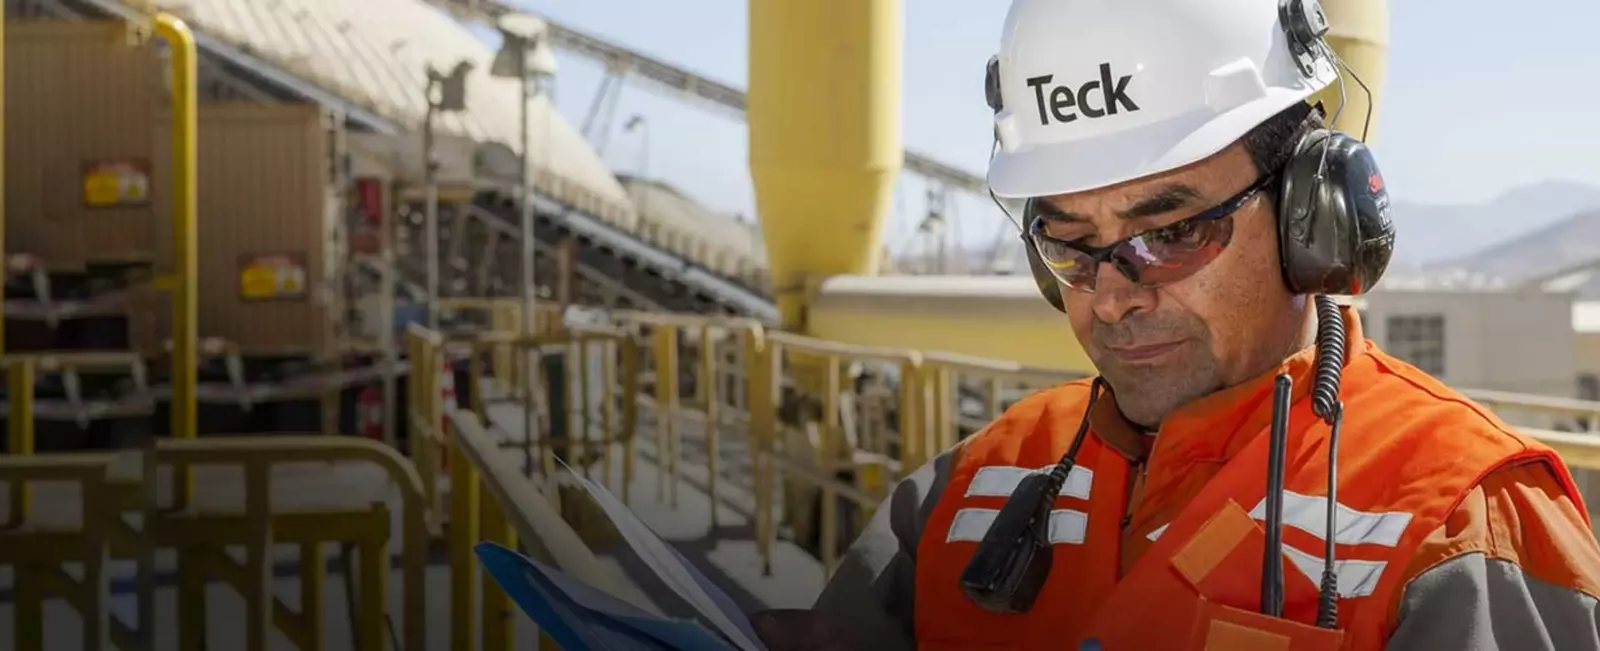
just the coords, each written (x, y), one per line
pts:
(1140, 152)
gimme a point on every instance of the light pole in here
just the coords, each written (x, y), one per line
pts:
(525, 56)
(452, 96)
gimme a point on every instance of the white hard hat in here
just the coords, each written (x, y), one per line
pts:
(1097, 92)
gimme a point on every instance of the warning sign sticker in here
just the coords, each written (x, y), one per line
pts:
(272, 277)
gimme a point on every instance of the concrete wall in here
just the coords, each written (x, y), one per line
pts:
(1493, 340)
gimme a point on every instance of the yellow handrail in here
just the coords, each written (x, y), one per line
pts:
(185, 233)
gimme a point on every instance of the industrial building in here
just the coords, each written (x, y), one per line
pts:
(1478, 335)
(231, 226)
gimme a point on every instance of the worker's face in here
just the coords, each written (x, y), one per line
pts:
(1218, 312)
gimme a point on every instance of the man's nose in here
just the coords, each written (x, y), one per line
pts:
(1115, 297)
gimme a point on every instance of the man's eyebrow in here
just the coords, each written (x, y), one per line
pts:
(1164, 200)
(1053, 213)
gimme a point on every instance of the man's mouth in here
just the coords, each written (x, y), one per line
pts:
(1144, 353)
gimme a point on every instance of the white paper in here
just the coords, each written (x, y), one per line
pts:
(710, 602)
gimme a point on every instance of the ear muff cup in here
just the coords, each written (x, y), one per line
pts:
(1334, 232)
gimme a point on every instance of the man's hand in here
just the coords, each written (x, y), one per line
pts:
(796, 630)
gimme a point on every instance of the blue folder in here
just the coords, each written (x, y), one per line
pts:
(582, 618)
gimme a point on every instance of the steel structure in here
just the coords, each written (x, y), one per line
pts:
(686, 84)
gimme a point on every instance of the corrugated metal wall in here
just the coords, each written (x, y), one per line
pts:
(75, 92)
(263, 191)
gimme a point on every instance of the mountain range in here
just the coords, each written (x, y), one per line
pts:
(1435, 235)
(1526, 233)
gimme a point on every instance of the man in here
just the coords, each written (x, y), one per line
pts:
(1152, 140)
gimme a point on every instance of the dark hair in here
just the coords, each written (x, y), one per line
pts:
(1271, 143)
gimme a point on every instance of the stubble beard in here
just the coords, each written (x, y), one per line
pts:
(1146, 394)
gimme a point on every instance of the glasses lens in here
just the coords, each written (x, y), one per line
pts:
(1070, 265)
(1172, 253)
(1153, 258)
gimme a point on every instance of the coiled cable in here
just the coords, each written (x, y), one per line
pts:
(1330, 359)
(1326, 405)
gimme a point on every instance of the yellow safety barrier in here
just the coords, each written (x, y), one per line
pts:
(37, 554)
(289, 510)
(21, 375)
(811, 450)
(202, 535)
(489, 499)
(492, 500)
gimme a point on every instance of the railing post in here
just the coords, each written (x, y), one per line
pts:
(20, 441)
(912, 436)
(497, 611)
(828, 461)
(630, 412)
(608, 405)
(708, 388)
(760, 354)
(666, 358)
(464, 504)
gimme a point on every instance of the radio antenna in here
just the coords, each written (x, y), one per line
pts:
(1272, 558)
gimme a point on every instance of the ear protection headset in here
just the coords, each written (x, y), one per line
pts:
(1335, 236)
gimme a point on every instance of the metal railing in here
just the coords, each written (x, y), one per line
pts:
(122, 513)
(811, 430)
(815, 443)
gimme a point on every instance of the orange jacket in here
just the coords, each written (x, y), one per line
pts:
(1157, 543)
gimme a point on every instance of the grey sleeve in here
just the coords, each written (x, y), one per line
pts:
(870, 597)
(1476, 603)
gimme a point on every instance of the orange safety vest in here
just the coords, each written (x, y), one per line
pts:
(1409, 453)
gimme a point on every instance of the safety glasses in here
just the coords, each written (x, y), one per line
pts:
(1150, 259)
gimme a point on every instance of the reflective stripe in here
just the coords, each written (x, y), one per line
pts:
(1356, 578)
(1002, 481)
(1066, 526)
(1309, 514)
(1157, 533)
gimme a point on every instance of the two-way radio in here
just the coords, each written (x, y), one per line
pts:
(1014, 558)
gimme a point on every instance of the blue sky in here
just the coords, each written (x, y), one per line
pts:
(1479, 99)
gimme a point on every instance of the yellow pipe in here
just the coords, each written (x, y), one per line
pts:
(824, 116)
(1359, 33)
(185, 291)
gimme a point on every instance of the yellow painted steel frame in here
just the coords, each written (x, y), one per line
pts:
(473, 511)
(927, 424)
(202, 538)
(36, 556)
(21, 375)
(495, 503)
